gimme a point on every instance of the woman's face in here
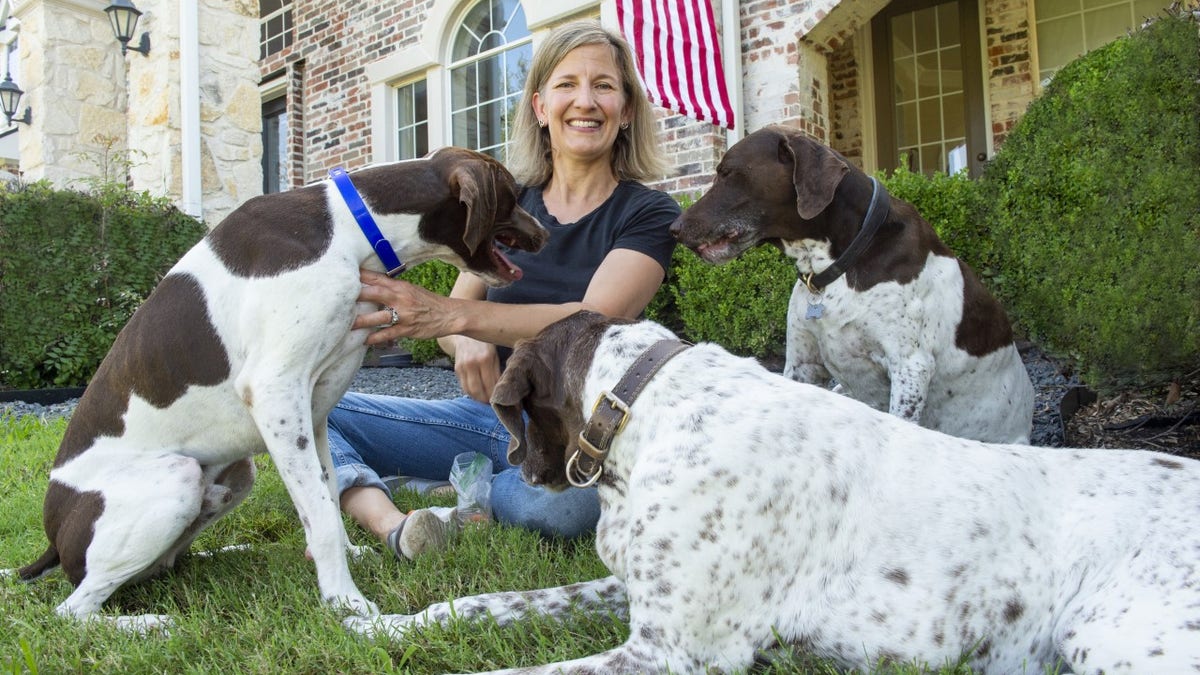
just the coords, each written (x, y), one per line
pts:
(583, 103)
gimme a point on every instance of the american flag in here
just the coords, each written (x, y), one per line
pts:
(678, 56)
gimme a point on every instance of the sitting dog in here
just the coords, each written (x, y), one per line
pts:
(743, 511)
(882, 305)
(244, 347)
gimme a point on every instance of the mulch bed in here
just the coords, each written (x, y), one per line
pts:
(1166, 419)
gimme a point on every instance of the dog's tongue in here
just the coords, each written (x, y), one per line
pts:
(507, 268)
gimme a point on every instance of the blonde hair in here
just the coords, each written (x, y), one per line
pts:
(636, 154)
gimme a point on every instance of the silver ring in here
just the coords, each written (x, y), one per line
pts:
(395, 317)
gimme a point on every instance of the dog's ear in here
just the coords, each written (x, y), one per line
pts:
(816, 172)
(508, 400)
(474, 183)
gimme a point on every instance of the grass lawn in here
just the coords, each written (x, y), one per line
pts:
(257, 610)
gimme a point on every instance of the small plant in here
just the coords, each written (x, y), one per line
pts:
(112, 161)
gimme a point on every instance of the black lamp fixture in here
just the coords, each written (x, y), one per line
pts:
(124, 17)
(10, 98)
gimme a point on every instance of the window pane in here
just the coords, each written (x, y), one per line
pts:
(954, 116)
(902, 37)
(906, 125)
(1049, 9)
(267, 7)
(1059, 41)
(930, 113)
(925, 27)
(1143, 9)
(952, 70)
(927, 74)
(275, 145)
(516, 67)
(491, 125)
(465, 132)
(948, 28)
(1105, 25)
(931, 158)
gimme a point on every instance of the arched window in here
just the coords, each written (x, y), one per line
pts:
(490, 56)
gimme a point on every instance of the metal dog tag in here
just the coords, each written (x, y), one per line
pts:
(815, 310)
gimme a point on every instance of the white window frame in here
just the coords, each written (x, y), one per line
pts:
(429, 58)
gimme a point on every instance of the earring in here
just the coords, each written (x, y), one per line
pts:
(624, 125)
(542, 123)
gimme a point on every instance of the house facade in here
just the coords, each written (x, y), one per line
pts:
(238, 97)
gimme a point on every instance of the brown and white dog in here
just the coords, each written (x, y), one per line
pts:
(741, 511)
(244, 347)
(906, 328)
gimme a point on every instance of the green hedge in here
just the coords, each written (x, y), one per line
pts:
(1094, 207)
(73, 268)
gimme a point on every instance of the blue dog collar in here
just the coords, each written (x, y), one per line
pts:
(383, 247)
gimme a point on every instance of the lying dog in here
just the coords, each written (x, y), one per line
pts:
(882, 305)
(244, 347)
(741, 510)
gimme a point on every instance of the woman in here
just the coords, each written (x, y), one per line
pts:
(583, 136)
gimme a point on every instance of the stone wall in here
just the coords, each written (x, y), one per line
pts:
(73, 77)
(90, 103)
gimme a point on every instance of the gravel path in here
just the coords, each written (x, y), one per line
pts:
(420, 382)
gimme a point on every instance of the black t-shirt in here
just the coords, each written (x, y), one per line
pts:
(634, 217)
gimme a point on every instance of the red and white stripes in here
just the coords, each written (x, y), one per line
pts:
(678, 56)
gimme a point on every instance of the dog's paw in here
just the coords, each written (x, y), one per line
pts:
(391, 626)
(145, 624)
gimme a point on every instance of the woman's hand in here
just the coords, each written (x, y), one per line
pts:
(419, 313)
(477, 366)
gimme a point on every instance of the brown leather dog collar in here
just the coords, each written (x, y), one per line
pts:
(611, 412)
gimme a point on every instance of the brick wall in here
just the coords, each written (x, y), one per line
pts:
(846, 133)
(329, 102)
(771, 74)
(1009, 67)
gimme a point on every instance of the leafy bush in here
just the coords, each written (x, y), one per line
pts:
(73, 268)
(741, 305)
(438, 277)
(953, 206)
(1095, 212)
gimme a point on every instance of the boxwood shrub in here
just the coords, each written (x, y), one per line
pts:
(73, 268)
(1094, 209)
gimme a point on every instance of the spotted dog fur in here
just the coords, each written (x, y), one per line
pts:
(908, 329)
(244, 347)
(740, 507)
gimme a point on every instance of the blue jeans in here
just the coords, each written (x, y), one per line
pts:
(372, 435)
